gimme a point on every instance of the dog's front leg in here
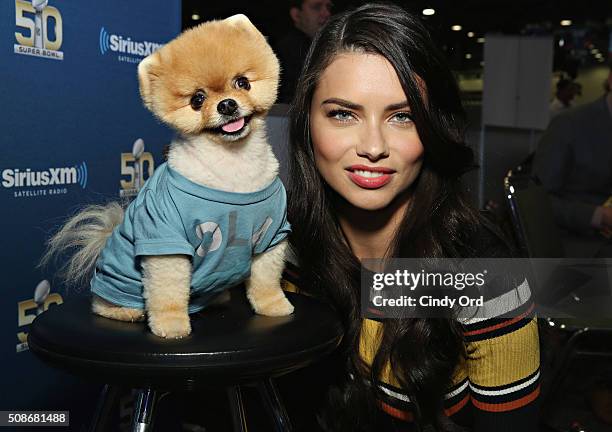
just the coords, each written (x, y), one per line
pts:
(167, 280)
(263, 287)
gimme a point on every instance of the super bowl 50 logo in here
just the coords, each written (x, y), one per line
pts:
(27, 310)
(134, 165)
(39, 29)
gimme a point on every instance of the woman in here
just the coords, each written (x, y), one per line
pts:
(377, 151)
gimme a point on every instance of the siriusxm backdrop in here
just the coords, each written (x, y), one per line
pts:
(73, 132)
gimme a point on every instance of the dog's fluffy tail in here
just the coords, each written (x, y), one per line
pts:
(84, 236)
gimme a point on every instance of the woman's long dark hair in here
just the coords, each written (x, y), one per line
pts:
(423, 353)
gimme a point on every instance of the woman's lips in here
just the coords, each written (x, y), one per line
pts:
(378, 177)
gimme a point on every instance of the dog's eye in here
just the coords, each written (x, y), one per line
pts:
(197, 100)
(243, 83)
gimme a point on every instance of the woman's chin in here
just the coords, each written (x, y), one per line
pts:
(369, 203)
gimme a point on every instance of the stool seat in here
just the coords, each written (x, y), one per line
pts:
(229, 343)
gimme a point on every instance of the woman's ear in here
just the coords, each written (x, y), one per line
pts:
(147, 75)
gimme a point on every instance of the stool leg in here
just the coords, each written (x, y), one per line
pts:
(275, 407)
(105, 404)
(234, 395)
(143, 410)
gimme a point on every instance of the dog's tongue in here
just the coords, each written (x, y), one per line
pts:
(233, 126)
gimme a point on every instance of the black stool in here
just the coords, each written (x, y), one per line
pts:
(229, 346)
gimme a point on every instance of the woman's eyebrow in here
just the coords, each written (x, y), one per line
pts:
(354, 106)
(342, 102)
(397, 106)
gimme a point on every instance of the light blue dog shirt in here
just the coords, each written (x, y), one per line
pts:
(221, 231)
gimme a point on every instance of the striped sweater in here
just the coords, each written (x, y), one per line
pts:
(495, 388)
(497, 383)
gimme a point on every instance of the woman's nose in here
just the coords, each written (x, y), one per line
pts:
(372, 144)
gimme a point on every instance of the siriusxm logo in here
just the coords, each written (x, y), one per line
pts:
(18, 178)
(125, 45)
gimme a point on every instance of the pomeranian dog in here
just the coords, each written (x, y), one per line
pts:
(213, 215)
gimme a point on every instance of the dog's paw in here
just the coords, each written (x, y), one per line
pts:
(170, 325)
(277, 306)
(103, 308)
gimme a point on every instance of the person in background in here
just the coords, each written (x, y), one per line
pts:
(307, 17)
(574, 163)
(566, 91)
(577, 89)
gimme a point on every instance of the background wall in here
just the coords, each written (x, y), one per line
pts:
(71, 115)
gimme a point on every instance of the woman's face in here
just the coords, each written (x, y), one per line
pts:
(365, 144)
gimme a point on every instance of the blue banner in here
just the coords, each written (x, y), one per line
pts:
(74, 132)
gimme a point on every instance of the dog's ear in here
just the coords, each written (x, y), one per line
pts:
(241, 20)
(147, 75)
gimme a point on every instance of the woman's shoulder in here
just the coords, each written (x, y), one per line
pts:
(508, 308)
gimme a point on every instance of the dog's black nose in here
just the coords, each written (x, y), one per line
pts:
(227, 106)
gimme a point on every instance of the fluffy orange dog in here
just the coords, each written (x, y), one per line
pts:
(214, 214)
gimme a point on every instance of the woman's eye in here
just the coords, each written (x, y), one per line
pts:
(402, 117)
(340, 115)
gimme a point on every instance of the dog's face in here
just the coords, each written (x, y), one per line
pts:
(213, 79)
